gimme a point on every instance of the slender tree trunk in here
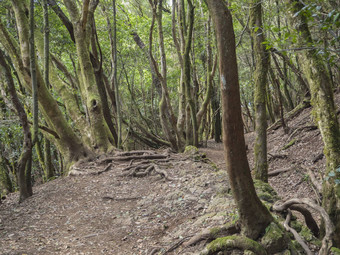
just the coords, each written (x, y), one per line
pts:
(215, 105)
(25, 157)
(276, 84)
(187, 79)
(262, 58)
(167, 117)
(324, 112)
(114, 77)
(254, 216)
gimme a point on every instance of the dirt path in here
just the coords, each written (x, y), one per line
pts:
(111, 214)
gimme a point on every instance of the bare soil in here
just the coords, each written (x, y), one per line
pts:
(114, 214)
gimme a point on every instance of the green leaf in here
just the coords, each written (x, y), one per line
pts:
(331, 174)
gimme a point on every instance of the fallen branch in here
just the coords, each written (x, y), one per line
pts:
(275, 156)
(329, 227)
(279, 171)
(121, 198)
(295, 233)
(307, 128)
(290, 115)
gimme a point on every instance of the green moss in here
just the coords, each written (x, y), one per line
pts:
(275, 239)
(191, 150)
(335, 251)
(234, 242)
(306, 234)
(291, 143)
(265, 192)
(214, 232)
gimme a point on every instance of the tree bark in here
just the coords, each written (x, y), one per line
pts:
(68, 143)
(81, 21)
(25, 190)
(324, 112)
(262, 60)
(254, 216)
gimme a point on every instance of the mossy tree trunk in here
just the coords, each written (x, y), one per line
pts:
(262, 58)
(254, 216)
(25, 188)
(191, 126)
(324, 112)
(167, 117)
(66, 140)
(82, 25)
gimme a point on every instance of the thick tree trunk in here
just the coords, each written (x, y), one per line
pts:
(262, 58)
(254, 216)
(82, 31)
(325, 116)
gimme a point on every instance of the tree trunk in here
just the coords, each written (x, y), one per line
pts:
(254, 216)
(187, 79)
(262, 58)
(68, 143)
(82, 31)
(25, 190)
(167, 117)
(324, 112)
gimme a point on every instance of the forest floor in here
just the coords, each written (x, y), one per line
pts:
(109, 213)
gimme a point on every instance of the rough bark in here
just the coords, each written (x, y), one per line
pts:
(68, 143)
(187, 82)
(324, 112)
(81, 21)
(262, 58)
(254, 216)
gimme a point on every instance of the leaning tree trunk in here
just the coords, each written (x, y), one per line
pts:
(66, 140)
(324, 112)
(262, 58)
(254, 216)
(26, 154)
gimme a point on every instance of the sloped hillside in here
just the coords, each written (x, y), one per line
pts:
(106, 210)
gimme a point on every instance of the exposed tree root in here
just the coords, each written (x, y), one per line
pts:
(234, 242)
(309, 220)
(295, 233)
(144, 169)
(134, 157)
(211, 234)
(327, 240)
